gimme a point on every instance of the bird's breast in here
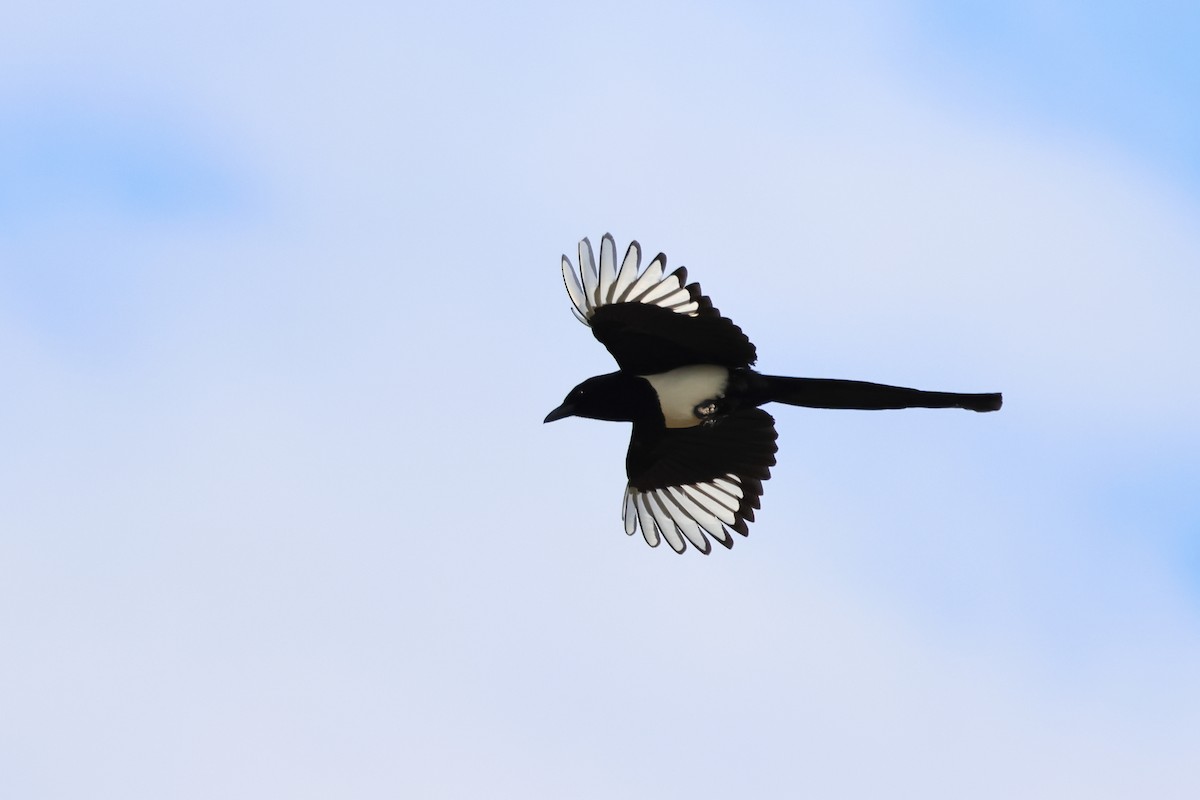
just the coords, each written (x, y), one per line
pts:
(680, 391)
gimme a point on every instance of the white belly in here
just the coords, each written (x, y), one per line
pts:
(681, 390)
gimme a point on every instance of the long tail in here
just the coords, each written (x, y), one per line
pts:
(827, 393)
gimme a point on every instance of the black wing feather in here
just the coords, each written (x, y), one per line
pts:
(646, 339)
(741, 444)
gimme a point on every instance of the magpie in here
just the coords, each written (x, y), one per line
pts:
(701, 446)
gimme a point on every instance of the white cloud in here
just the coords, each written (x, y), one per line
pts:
(309, 535)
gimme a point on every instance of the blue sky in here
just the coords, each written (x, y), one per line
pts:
(1111, 72)
(281, 315)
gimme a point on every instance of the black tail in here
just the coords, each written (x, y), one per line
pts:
(826, 393)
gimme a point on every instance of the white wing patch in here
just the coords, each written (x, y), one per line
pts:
(685, 514)
(589, 289)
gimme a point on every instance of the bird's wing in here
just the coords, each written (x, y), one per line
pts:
(685, 483)
(650, 320)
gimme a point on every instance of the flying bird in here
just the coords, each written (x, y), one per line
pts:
(701, 447)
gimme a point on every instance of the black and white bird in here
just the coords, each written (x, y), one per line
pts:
(701, 446)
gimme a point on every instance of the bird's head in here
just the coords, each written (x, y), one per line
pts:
(616, 397)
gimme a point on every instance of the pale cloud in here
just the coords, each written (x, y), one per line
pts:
(304, 534)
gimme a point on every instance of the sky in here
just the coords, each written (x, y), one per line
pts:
(280, 317)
